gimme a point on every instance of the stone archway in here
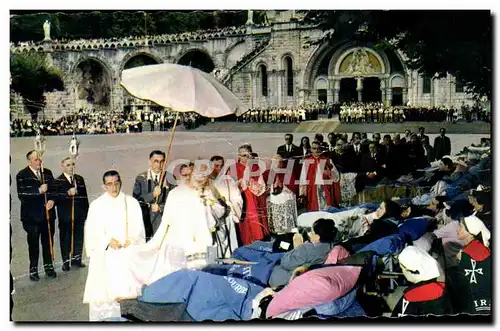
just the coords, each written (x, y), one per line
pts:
(139, 58)
(92, 84)
(130, 104)
(198, 59)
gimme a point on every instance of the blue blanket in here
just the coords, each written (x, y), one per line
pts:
(256, 273)
(387, 245)
(336, 306)
(207, 296)
(258, 251)
(414, 228)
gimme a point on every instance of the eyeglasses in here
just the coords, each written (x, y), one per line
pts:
(245, 155)
(69, 164)
(117, 183)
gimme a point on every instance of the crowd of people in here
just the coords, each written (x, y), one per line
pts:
(267, 231)
(374, 112)
(104, 122)
(290, 114)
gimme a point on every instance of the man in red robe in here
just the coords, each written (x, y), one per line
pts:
(319, 185)
(254, 224)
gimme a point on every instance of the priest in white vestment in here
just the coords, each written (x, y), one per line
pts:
(227, 240)
(114, 222)
(184, 239)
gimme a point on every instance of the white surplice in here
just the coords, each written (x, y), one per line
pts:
(119, 218)
(182, 240)
(228, 189)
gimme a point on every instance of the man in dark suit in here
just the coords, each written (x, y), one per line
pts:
(421, 134)
(342, 156)
(289, 150)
(332, 139)
(151, 194)
(370, 168)
(416, 154)
(72, 206)
(442, 145)
(32, 186)
(357, 151)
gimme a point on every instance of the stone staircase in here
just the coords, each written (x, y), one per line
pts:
(259, 48)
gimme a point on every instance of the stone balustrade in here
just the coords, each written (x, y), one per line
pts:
(83, 44)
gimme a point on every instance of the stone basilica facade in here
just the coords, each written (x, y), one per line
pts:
(276, 64)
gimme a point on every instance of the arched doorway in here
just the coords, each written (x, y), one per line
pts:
(320, 87)
(132, 106)
(348, 91)
(197, 59)
(371, 90)
(139, 60)
(93, 88)
(397, 85)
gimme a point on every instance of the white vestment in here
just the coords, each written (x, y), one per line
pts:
(183, 240)
(228, 189)
(119, 218)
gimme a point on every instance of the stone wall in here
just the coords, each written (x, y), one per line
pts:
(286, 39)
(442, 93)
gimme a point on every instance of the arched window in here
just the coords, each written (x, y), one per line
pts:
(427, 84)
(263, 80)
(289, 76)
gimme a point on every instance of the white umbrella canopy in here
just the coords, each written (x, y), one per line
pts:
(182, 88)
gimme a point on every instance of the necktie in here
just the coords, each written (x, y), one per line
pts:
(71, 179)
(288, 148)
(156, 180)
(38, 174)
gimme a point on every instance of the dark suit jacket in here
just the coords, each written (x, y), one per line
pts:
(64, 202)
(32, 202)
(356, 157)
(143, 192)
(295, 152)
(430, 153)
(343, 162)
(442, 147)
(416, 157)
(368, 164)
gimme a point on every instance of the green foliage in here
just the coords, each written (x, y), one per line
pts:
(435, 42)
(32, 75)
(116, 24)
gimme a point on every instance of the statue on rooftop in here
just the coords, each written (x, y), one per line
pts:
(250, 17)
(46, 30)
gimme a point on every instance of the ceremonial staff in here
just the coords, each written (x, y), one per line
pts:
(164, 166)
(40, 149)
(73, 152)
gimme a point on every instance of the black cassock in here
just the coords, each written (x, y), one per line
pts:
(470, 282)
(423, 298)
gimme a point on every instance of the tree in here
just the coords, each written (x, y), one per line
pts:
(32, 75)
(436, 42)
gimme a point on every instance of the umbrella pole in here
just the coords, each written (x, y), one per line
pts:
(164, 173)
(163, 170)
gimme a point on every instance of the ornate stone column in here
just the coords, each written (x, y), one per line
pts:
(383, 91)
(329, 92)
(336, 91)
(359, 88)
(281, 95)
(255, 92)
(405, 95)
(388, 93)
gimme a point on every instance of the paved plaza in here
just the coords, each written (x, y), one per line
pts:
(60, 299)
